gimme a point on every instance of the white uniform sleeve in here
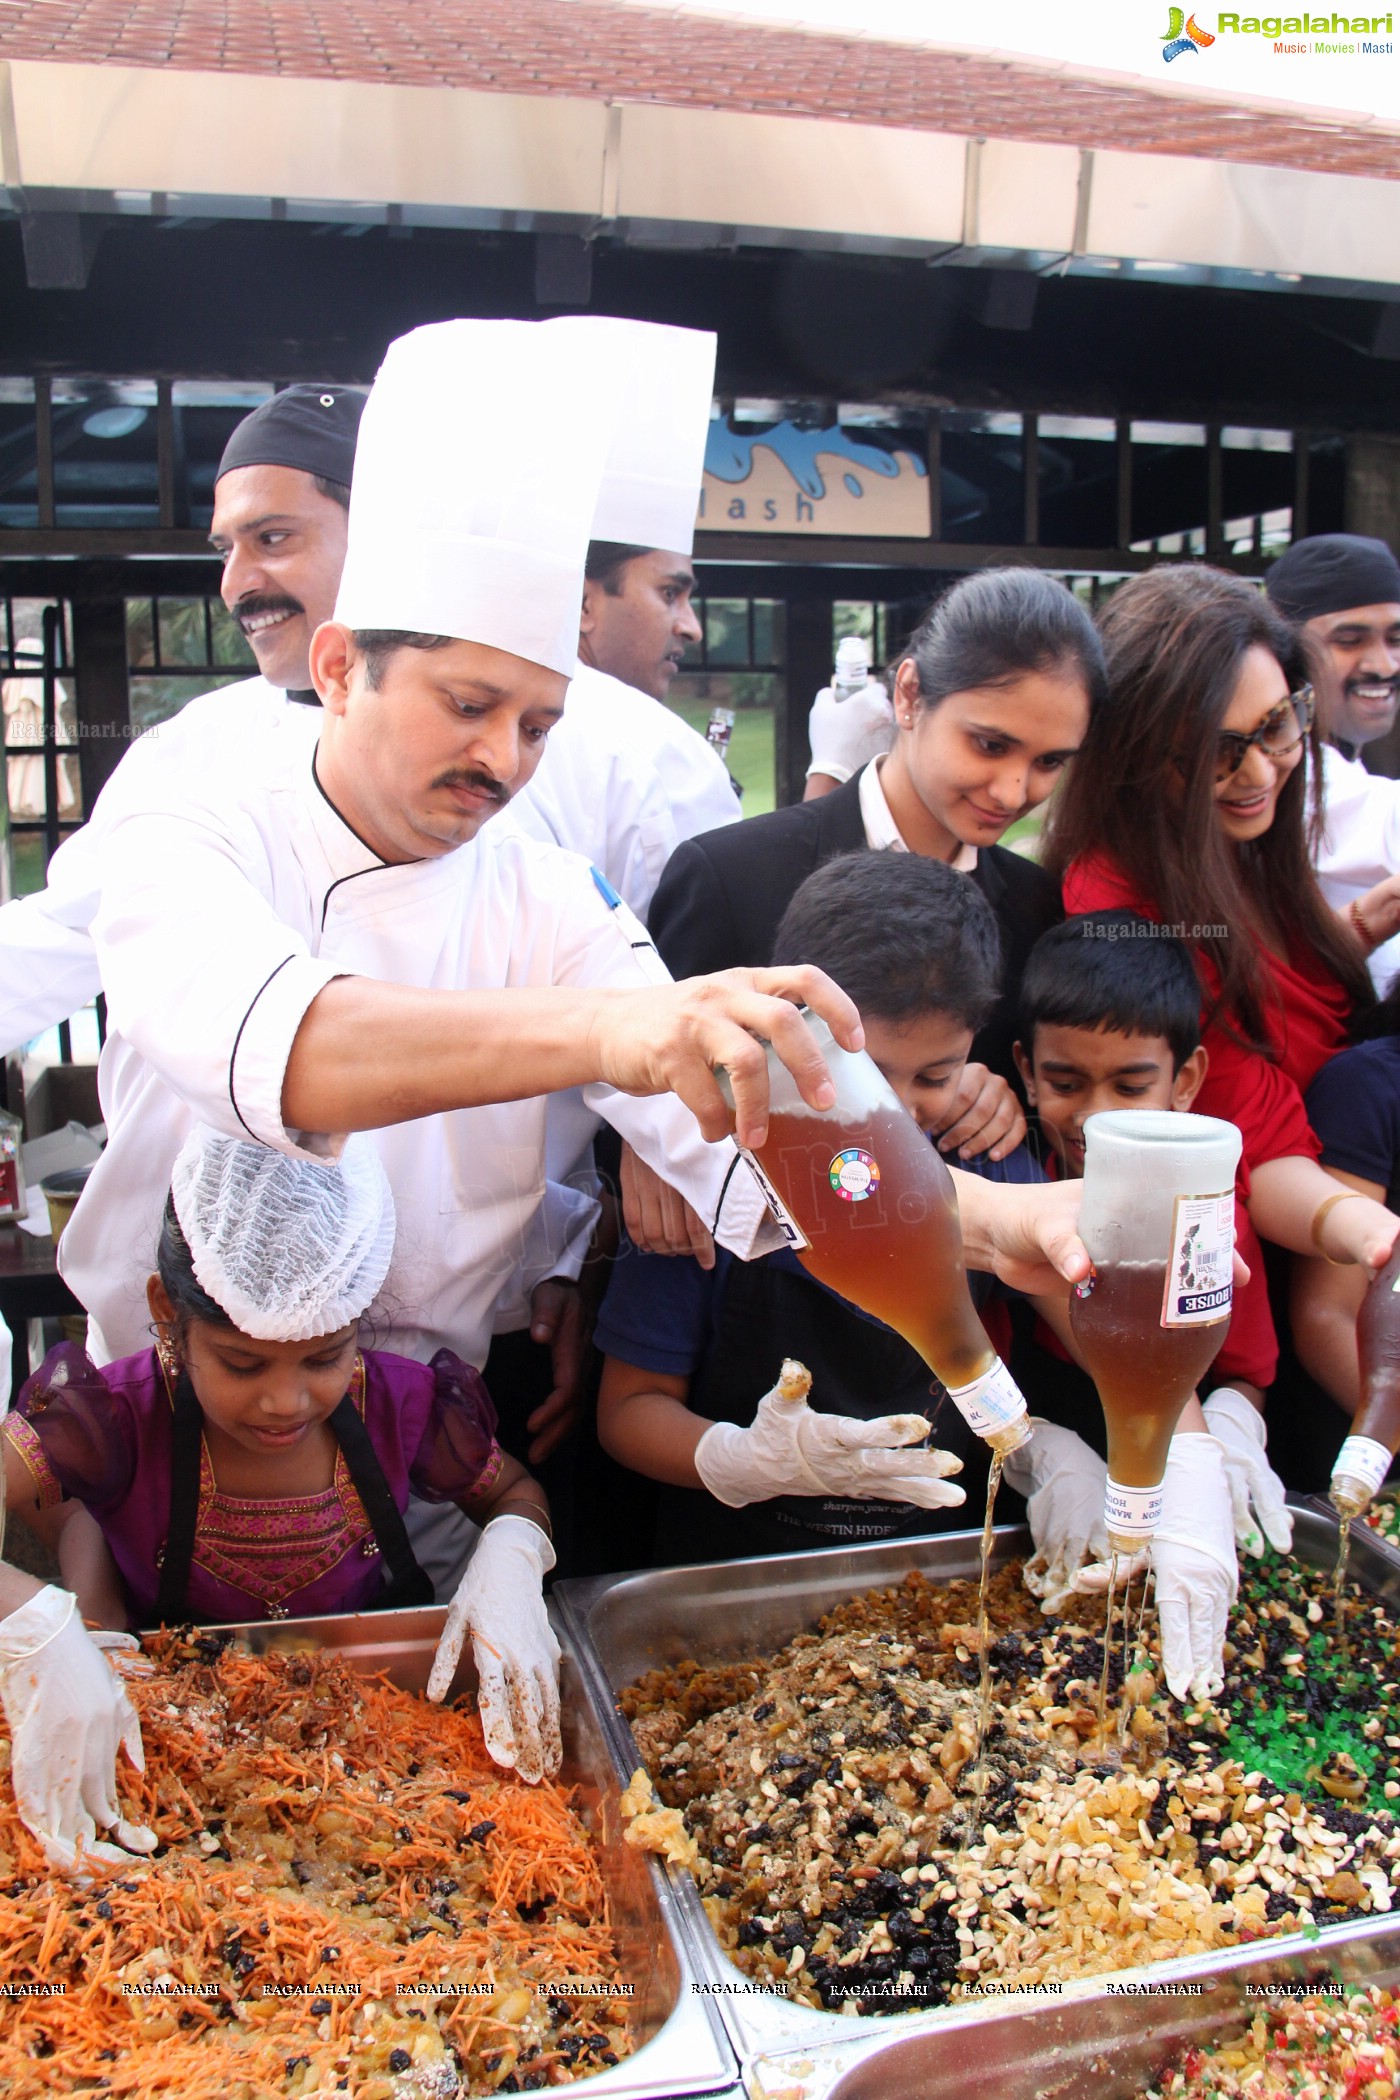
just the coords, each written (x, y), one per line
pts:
(1361, 825)
(48, 965)
(598, 946)
(557, 1240)
(696, 784)
(202, 977)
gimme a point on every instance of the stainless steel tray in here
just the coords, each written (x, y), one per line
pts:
(623, 1625)
(1085, 2046)
(1388, 1549)
(682, 2047)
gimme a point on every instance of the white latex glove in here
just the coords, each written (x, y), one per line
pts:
(123, 1651)
(1239, 1426)
(500, 1601)
(1063, 1481)
(845, 734)
(68, 1716)
(1193, 1559)
(788, 1450)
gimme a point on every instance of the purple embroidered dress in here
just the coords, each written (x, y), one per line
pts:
(103, 1438)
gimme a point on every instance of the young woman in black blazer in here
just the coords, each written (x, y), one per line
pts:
(992, 699)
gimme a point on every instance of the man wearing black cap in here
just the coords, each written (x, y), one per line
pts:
(1343, 592)
(281, 499)
(280, 505)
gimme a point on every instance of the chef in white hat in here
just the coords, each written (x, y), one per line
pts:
(624, 779)
(295, 952)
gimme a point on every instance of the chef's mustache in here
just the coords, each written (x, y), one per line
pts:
(263, 602)
(478, 783)
(1356, 683)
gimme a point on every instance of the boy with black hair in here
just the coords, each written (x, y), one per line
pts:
(1111, 1019)
(690, 1354)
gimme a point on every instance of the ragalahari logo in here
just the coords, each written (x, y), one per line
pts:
(1183, 34)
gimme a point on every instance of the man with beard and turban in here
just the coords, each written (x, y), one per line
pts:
(1343, 592)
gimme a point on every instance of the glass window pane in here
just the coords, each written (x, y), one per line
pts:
(104, 444)
(230, 647)
(727, 630)
(850, 616)
(26, 783)
(19, 487)
(1078, 481)
(182, 639)
(207, 412)
(140, 632)
(769, 631)
(1169, 487)
(155, 698)
(1256, 474)
(983, 495)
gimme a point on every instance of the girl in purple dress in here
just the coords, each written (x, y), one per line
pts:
(256, 1462)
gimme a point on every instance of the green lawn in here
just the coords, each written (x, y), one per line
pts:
(750, 750)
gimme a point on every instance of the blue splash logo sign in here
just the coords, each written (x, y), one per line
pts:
(786, 479)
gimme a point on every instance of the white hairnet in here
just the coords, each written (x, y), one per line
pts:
(290, 1248)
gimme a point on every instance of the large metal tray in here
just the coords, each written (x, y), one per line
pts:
(623, 1625)
(682, 2047)
(1086, 2047)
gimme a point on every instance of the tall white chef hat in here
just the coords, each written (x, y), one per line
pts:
(291, 1248)
(651, 483)
(477, 470)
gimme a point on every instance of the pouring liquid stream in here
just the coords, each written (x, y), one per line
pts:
(879, 1218)
(984, 1647)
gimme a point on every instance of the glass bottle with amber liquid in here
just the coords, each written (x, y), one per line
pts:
(1365, 1456)
(1158, 1220)
(869, 1207)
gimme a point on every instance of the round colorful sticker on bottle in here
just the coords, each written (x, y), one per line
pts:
(854, 1175)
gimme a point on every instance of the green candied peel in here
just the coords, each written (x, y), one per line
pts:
(1288, 1726)
(1273, 1743)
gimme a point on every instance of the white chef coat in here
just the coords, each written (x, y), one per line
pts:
(48, 966)
(623, 780)
(1360, 843)
(228, 903)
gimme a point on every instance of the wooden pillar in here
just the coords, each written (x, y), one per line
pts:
(101, 698)
(810, 651)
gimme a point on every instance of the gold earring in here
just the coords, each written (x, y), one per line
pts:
(168, 1352)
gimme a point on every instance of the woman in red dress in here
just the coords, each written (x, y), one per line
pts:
(1189, 804)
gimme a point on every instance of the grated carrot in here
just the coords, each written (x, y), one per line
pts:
(239, 1753)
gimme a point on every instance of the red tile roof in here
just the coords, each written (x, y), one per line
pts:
(592, 48)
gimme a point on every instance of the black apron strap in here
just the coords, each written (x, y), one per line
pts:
(187, 1431)
(407, 1585)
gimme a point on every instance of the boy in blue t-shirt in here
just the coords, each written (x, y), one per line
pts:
(916, 946)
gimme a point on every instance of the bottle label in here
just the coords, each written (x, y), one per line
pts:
(991, 1402)
(1200, 1266)
(782, 1217)
(854, 1175)
(1133, 1512)
(1362, 1458)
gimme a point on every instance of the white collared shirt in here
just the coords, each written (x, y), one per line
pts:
(882, 834)
(1360, 844)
